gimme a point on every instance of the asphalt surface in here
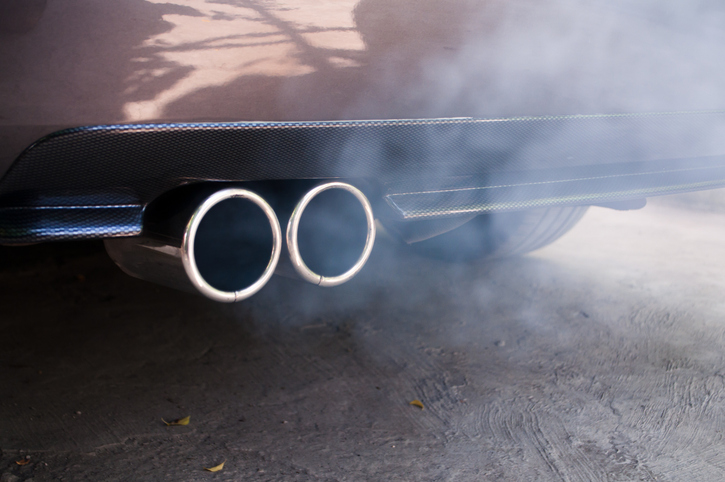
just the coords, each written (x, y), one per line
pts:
(597, 358)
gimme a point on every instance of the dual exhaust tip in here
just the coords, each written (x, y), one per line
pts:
(228, 245)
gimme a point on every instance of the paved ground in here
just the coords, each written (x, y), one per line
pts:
(598, 358)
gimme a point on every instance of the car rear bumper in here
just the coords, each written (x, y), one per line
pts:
(95, 182)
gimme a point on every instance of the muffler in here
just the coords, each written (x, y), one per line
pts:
(330, 234)
(224, 244)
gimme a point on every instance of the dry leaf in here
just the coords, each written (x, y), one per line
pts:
(216, 468)
(22, 461)
(181, 421)
(417, 403)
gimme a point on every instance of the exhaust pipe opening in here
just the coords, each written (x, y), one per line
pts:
(330, 234)
(231, 245)
(226, 247)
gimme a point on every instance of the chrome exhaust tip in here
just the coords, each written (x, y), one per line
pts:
(333, 232)
(227, 247)
(198, 247)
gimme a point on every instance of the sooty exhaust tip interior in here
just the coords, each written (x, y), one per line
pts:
(233, 244)
(331, 233)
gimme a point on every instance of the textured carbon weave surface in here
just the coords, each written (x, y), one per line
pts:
(83, 167)
(500, 194)
(66, 215)
(32, 225)
(150, 159)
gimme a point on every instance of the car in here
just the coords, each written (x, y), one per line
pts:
(213, 143)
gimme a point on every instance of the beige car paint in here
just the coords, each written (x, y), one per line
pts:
(86, 62)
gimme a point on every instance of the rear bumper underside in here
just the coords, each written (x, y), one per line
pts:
(95, 182)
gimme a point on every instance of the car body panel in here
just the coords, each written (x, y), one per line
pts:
(134, 68)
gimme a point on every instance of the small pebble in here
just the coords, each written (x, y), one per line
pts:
(500, 343)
